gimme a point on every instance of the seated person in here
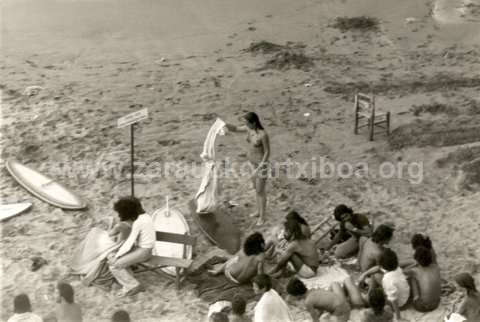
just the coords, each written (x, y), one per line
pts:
(301, 252)
(372, 248)
(121, 316)
(394, 281)
(419, 240)
(377, 312)
(352, 227)
(67, 309)
(425, 281)
(318, 301)
(470, 307)
(247, 263)
(23, 310)
(293, 215)
(271, 307)
(238, 310)
(136, 249)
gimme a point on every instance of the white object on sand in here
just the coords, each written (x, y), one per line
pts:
(326, 276)
(32, 90)
(410, 20)
(306, 114)
(308, 84)
(11, 210)
(455, 317)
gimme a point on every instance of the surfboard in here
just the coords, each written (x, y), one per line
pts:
(218, 227)
(171, 220)
(10, 210)
(43, 187)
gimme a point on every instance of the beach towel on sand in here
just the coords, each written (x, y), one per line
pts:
(207, 194)
(326, 276)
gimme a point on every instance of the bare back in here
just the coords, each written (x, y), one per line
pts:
(369, 255)
(306, 249)
(246, 267)
(429, 283)
(69, 313)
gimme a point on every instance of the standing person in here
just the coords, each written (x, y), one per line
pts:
(23, 310)
(121, 316)
(271, 306)
(258, 156)
(67, 309)
(470, 307)
(136, 249)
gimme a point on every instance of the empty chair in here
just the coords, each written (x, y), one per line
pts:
(366, 115)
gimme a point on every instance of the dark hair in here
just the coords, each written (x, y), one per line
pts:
(341, 210)
(239, 305)
(466, 281)
(21, 304)
(128, 208)
(376, 299)
(421, 240)
(219, 317)
(254, 244)
(293, 215)
(388, 260)
(296, 287)
(253, 118)
(382, 234)
(121, 316)
(294, 229)
(423, 256)
(66, 291)
(263, 281)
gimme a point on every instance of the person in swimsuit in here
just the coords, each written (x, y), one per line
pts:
(318, 301)
(470, 307)
(258, 156)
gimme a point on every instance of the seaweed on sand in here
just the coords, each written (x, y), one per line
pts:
(362, 23)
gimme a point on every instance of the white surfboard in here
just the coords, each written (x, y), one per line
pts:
(43, 187)
(10, 210)
(171, 220)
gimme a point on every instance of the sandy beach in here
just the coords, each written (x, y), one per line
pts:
(188, 63)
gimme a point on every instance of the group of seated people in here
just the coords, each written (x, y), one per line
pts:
(67, 310)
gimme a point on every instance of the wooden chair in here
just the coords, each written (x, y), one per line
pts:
(325, 227)
(365, 110)
(181, 264)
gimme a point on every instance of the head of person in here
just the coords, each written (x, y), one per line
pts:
(382, 235)
(254, 244)
(377, 300)
(239, 305)
(419, 240)
(253, 121)
(295, 216)
(423, 256)
(342, 213)
(21, 304)
(128, 208)
(219, 317)
(121, 316)
(65, 292)
(296, 288)
(262, 283)
(388, 260)
(466, 281)
(293, 230)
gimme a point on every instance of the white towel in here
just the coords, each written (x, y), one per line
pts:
(272, 307)
(326, 276)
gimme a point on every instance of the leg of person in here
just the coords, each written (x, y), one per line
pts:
(347, 249)
(136, 256)
(261, 198)
(354, 293)
(342, 312)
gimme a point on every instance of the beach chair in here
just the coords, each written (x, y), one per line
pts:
(157, 263)
(365, 110)
(324, 227)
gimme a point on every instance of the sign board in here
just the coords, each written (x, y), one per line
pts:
(132, 118)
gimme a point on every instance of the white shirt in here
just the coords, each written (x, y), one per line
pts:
(142, 235)
(396, 286)
(25, 317)
(272, 308)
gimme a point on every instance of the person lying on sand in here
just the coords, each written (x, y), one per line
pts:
(258, 156)
(377, 312)
(352, 227)
(247, 263)
(271, 307)
(23, 310)
(301, 252)
(470, 307)
(67, 310)
(136, 249)
(238, 310)
(394, 281)
(419, 240)
(425, 281)
(372, 248)
(318, 301)
(121, 316)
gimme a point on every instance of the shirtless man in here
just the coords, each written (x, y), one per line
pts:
(247, 263)
(372, 248)
(425, 281)
(318, 301)
(67, 309)
(301, 252)
(470, 307)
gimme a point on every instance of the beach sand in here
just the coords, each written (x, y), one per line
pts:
(97, 60)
